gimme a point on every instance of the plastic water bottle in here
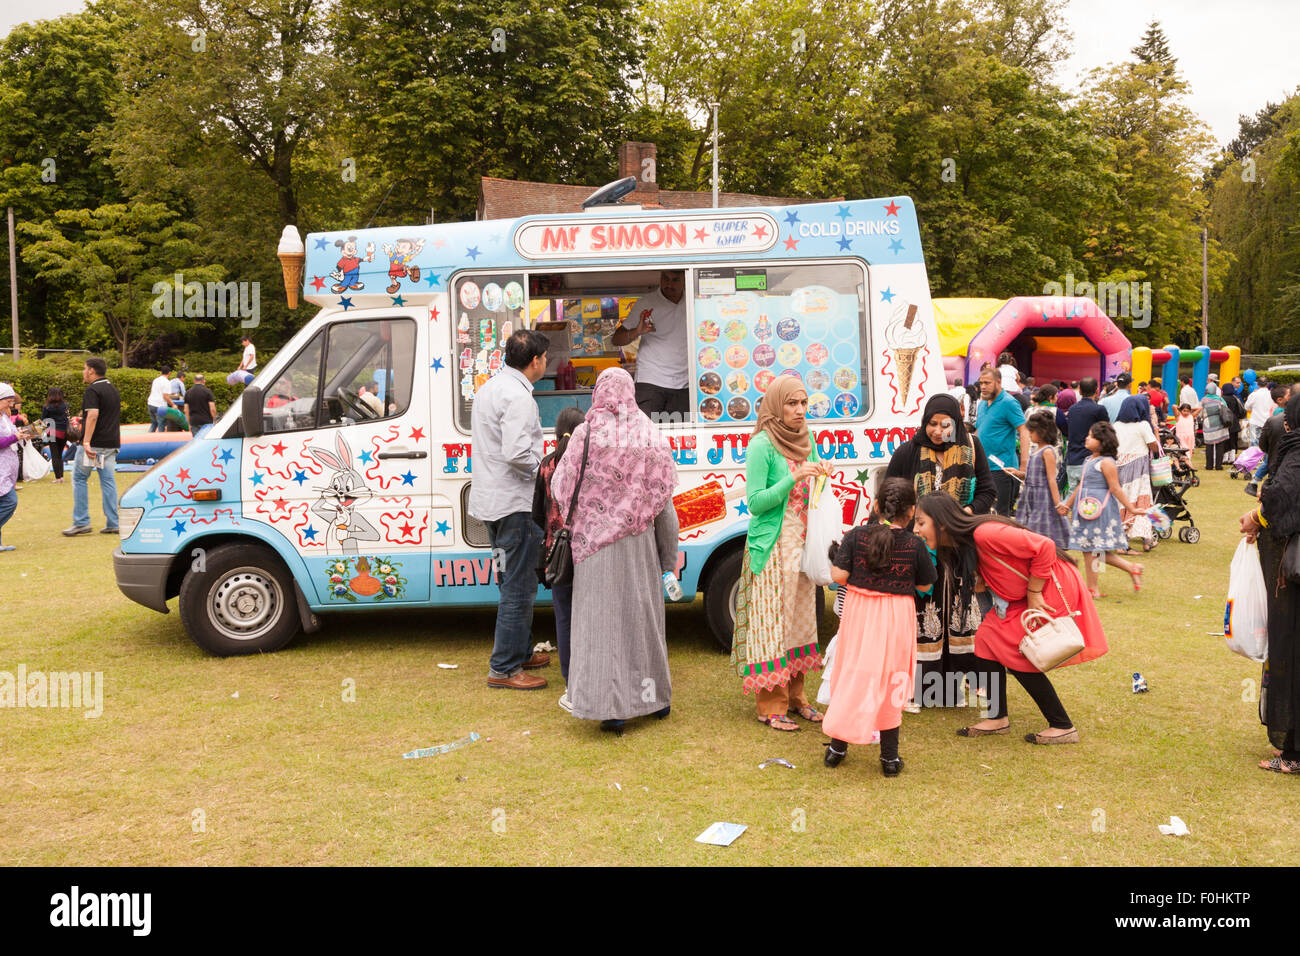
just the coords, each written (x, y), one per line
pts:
(672, 587)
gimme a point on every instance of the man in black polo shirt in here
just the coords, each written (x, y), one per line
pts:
(101, 437)
(200, 406)
(1079, 420)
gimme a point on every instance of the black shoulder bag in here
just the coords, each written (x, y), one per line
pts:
(559, 559)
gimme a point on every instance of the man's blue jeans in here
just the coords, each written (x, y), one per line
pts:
(156, 418)
(81, 470)
(8, 505)
(516, 540)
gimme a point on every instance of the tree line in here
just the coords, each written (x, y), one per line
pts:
(142, 138)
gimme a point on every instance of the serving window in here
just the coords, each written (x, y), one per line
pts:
(753, 323)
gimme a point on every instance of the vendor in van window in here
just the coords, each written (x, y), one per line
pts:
(658, 320)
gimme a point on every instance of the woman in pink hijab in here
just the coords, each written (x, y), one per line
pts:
(624, 533)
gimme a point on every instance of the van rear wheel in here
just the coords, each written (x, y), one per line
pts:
(240, 601)
(720, 599)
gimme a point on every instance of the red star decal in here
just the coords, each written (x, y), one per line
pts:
(183, 475)
(701, 234)
(891, 209)
(433, 313)
(406, 529)
(792, 243)
(317, 283)
(280, 504)
(760, 232)
(417, 434)
(278, 448)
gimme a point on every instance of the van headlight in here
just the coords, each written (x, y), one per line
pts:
(127, 519)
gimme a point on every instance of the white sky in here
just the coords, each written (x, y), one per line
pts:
(1236, 54)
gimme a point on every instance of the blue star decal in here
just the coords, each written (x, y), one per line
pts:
(227, 455)
(437, 365)
(322, 243)
(179, 528)
(791, 218)
(300, 477)
(433, 279)
(473, 252)
(365, 458)
(844, 212)
(895, 246)
(151, 496)
(742, 508)
(443, 527)
(887, 295)
(256, 477)
(846, 244)
(309, 533)
(398, 300)
(346, 303)
(408, 478)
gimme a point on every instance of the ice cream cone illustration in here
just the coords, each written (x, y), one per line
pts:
(293, 256)
(906, 341)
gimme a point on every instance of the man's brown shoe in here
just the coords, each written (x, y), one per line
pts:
(520, 681)
(536, 661)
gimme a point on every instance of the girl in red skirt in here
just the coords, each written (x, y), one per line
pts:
(880, 566)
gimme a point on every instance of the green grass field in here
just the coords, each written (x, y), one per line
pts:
(180, 770)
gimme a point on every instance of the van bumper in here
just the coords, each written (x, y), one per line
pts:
(143, 578)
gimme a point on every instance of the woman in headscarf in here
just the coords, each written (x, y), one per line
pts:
(944, 456)
(774, 644)
(1137, 443)
(1235, 418)
(1214, 428)
(1275, 520)
(624, 537)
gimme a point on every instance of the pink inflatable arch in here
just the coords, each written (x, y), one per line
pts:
(1052, 337)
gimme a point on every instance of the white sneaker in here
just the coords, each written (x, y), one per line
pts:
(566, 705)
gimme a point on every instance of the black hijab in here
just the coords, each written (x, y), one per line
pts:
(942, 404)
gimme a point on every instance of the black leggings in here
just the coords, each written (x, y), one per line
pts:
(56, 455)
(888, 744)
(992, 677)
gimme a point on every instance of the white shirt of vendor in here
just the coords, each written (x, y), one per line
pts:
(1187, 396)
(250, 358)
(661, 355)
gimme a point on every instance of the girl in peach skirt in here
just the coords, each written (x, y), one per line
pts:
(881, 566)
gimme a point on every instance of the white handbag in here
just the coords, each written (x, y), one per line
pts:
(1049, 641)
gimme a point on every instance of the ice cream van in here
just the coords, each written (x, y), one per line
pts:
(340, 481)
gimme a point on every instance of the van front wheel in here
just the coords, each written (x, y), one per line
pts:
(239, 600)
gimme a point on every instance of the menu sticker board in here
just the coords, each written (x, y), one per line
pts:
(743, 340)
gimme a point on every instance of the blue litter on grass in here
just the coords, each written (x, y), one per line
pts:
(444, 748)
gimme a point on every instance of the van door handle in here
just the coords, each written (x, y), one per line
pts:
(383, 455)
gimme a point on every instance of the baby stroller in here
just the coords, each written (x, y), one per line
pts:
(1169, 500)
(1180, 459)
(1246, 462)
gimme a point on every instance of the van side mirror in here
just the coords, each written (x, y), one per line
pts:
(250, 411)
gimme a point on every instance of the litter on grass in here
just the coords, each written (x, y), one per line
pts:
(776, 761)
(1175, 827)
(235, 694)
(721, 834)
(1139, 683)
(449, 667)
(444, 748)
(543, 646)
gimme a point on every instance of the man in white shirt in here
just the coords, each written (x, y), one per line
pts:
(160, 391)
(1187, 395)
(247, 364)
(658, 320)
(1260, 407)
(506, 431)
(958, 391)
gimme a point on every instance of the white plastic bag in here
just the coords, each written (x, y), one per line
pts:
(828, 660)
(35, 467)
(825, 515)
(1245, 620)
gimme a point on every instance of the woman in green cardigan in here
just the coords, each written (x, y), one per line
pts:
(775, 639)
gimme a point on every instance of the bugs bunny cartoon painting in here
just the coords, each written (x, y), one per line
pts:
(339, 499)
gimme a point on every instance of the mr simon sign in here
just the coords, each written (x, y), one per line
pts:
(596, 237)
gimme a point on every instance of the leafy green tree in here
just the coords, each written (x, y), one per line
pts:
(110, 269)
(442, 93)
